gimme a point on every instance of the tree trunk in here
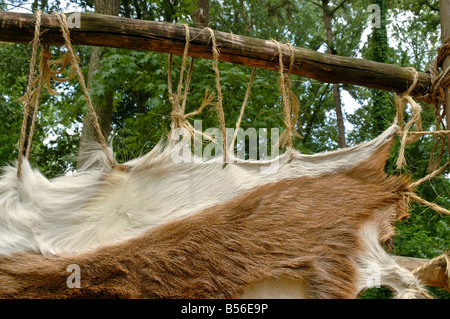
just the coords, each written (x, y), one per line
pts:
(201, 15)
(378, 51)
(336, 91)
(35, 5)
(445, 33)
(105, 107)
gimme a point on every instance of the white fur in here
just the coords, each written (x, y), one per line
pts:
(71, 214)
(377, 268)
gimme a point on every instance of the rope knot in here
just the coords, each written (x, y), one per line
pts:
(178, 116)
(440, 81)
(291, 104)
(46, 54)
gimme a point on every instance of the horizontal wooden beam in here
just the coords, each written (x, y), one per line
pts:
(111, 31)
(434, 275)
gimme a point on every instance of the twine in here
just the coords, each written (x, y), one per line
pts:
(73, 58)
(219, 104)
(439, 133)
(176, 98)
(435, 96)
(45, 55)
(432, 262)
(27, 99)
(50, 74)
(434, 163)
(440, 80)
(179, 100)
(424, 293)
(46, 75)
(400, 102)
(291, 104)
(408, 137)
(431, 175)
(241, 114)
(416, 198)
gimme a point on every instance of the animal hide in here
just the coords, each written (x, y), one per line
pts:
(99, 206)
(322, 231)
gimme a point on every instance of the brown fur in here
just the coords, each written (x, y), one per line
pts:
(305, 229)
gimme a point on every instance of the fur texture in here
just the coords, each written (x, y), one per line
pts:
(320, 231)
(377, 268)
(99, 206)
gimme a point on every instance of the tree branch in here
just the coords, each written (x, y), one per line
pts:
(317, 4)
(337, 7)
(278, 6)
(431, 7)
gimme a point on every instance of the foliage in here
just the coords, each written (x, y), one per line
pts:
(409, 37)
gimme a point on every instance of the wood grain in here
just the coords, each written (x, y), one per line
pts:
(132, 34)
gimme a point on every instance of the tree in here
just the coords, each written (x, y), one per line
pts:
(103, 105)
(378, 51)
(327, 16)
(445, 34)
(200, 16)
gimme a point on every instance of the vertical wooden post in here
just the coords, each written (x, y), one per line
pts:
(445, 33)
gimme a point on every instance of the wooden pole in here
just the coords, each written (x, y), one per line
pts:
(133, 34)
(434, 276)
(445, 34)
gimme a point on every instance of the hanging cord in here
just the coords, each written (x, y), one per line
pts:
(431, 175)
(36, 84)
(175, 98)
(46, 74)
(51, 74)
(291, 104)
(179, 100)
(241, 115)
(440, 81)
(43, 69)
(416, 198)
(74, 60)
(408, 137)
(219, 104)
(400, 102)
(295, 103)
(28, 97)
(436, 96)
